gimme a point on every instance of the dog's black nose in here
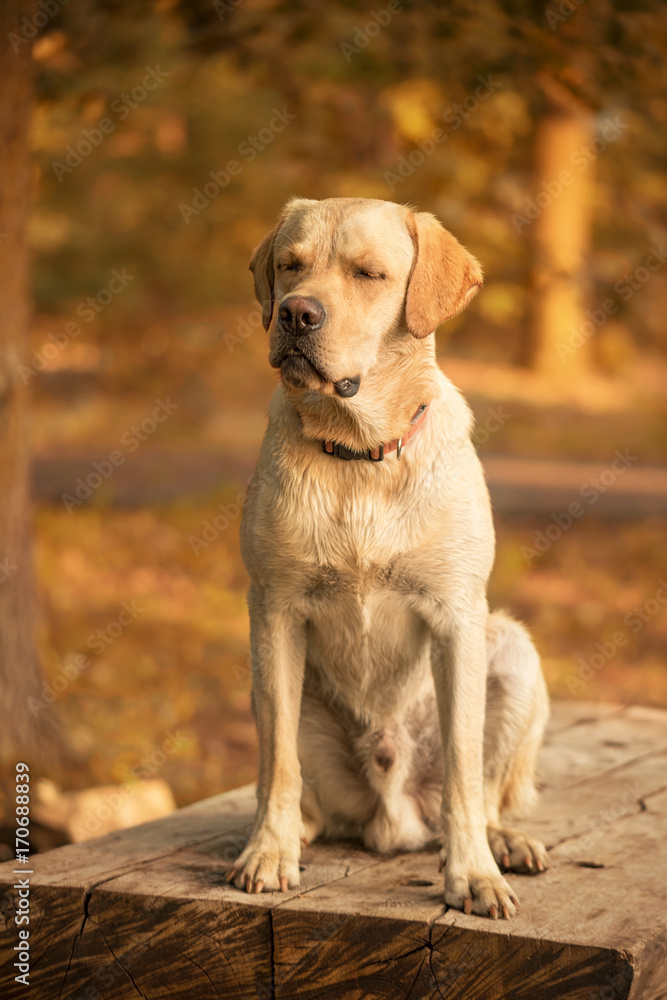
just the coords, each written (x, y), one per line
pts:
(301, 314)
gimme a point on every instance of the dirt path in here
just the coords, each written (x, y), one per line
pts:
(620, 488)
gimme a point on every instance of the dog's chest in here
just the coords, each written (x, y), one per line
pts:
(354, 579)
(363, 631)
(356, 527)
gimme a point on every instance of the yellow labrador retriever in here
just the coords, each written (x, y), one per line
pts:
(390, 703)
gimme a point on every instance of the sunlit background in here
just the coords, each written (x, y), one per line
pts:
(535, 133)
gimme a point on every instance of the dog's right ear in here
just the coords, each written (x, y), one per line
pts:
(261, 265)
(444, 278)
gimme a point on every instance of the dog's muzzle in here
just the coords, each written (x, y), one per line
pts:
(298, 317)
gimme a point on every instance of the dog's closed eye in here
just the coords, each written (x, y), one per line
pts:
(368, 272)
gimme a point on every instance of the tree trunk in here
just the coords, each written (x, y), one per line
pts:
(19, 668)
(560, 344)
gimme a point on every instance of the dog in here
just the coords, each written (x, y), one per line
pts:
(390, 704)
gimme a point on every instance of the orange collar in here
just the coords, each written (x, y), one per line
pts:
(378, 454)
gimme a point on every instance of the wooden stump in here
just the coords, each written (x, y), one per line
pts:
(146, 912)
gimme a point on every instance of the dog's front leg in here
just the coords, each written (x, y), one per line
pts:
(271, 858)
(473, 882)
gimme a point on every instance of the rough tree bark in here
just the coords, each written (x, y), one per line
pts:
(19, 666)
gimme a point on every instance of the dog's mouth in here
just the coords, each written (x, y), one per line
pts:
(298, 372)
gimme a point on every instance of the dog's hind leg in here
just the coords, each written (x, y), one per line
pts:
(312, 817)
(336, 800)
(517, 709)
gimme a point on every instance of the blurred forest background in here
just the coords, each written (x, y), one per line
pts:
(165, 137)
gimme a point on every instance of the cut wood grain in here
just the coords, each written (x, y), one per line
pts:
(147, 912)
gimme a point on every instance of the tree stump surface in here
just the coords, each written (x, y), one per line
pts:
(146, 912)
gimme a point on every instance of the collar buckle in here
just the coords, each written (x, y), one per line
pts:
(348, 455)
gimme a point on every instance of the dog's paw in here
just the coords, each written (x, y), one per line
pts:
(266, 866)
(487, 895)
(516, 852)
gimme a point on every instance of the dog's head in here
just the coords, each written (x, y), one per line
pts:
(339, 279)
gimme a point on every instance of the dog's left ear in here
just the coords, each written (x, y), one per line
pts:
(444, 275)
(261, 265)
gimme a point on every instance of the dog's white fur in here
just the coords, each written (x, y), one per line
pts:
(390, 704)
